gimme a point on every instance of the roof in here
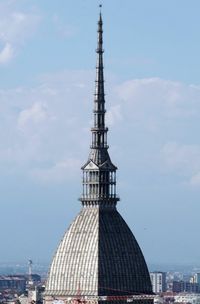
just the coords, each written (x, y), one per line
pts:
(98, 255)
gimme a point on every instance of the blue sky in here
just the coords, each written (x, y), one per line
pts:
(47, 71)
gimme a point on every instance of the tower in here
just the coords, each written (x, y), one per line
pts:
(158, 280)
(30, 267)
(98, 259)
(99, 173)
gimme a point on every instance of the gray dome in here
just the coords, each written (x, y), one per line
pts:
(98, 255)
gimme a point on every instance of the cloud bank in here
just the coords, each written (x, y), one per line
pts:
(154, 121)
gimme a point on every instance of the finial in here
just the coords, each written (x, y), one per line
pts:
(100, 6)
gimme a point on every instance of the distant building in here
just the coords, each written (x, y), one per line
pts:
(13, 282)
(23, 299)
(33, 280)
(158, 281)
(17, 283)
(196, 278)
(178, 286)
(35, 294)
(182, 286)
(36, 278)
(187, 298)
(158, 300)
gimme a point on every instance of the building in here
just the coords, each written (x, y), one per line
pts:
(182, 286)
(158, 280)
(187, 298)
(35, 294)
(14, 283)
(98, 259)
(196, 278)
(13, 288)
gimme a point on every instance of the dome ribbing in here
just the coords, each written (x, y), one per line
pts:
(98, 256)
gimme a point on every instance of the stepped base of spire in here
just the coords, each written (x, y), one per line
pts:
(101, 202)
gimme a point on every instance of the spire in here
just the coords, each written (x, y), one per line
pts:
(99, 173)
(99, 139)
(99, 88)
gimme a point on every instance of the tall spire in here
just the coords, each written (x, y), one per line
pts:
(99, 131)
(99, 173)
(99, 92)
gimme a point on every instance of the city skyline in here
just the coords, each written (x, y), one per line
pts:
(152, 94)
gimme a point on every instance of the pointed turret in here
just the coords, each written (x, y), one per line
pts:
(99, 138)
(99, 173)
(99, 92)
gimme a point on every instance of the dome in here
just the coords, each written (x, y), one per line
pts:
(98, 255)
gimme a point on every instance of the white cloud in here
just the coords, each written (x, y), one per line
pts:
(45, 124)
(58, 173)
(6, 54)
(171, 99)
(35, 114)
(184, 159)
(195, 180)
(113, 115)
(64, 30)
(16, 26)
(161, 122)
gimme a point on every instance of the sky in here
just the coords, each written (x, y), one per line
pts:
(152, 83)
